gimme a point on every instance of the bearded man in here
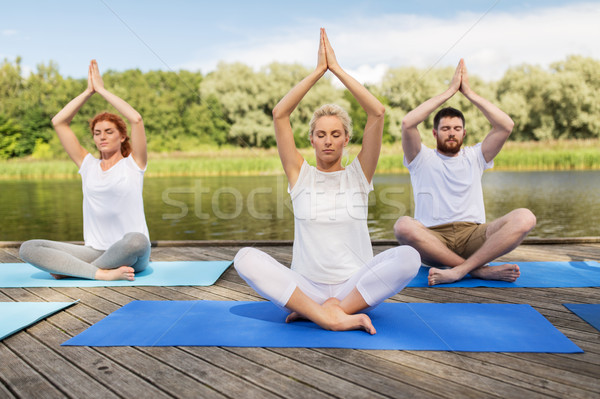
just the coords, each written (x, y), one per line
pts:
(449, 228)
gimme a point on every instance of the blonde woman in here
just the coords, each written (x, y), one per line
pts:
(334, 275)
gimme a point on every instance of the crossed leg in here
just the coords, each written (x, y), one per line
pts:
(502, 236)
(380, 278)
(124, 258)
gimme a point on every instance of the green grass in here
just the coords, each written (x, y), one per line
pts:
(554, 155)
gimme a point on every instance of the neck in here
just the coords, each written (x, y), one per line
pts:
(109, 160)
(448, 154)
(333, 166)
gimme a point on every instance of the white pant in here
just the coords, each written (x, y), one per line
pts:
(382, 277)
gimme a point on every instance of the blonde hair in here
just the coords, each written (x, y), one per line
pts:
(332, 110)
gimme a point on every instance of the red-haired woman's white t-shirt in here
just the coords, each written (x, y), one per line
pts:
(112, 201)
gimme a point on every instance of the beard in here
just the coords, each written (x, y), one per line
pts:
(449, 147)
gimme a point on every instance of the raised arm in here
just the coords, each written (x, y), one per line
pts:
(371, 145)
(291, 159)
(62, 123)
(138, 133)
(502, 124)
(411, 139)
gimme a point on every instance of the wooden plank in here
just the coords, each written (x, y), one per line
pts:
(8, 256)
(219, 379)
(4, 392)
(93, 363)
(281, 360)
(391, 373)
(465, 374)
(517, 372)
(267, 378)
(549, 379)
(21, 379)
(61, 372)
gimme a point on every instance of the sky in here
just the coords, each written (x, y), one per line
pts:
(368, 37)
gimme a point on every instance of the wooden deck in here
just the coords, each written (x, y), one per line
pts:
(33, 364)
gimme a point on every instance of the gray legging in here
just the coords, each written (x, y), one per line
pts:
(81, 261)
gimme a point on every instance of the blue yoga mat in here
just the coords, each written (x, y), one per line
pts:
(15, 316)
(156, 274)
(588, 312)
(415, 326)
(533, 275)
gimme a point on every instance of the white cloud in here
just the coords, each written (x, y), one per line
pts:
(489, 45)
(9, 32)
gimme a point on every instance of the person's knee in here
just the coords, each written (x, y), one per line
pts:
(137, 242)
(243, 261)
(28, 249)
(404, 229)
(524, 220)
(412, 259)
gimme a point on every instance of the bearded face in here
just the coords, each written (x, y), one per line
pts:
(449, 136)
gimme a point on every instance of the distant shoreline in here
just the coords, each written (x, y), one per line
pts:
(559, 155)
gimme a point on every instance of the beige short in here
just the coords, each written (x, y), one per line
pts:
(463, 238)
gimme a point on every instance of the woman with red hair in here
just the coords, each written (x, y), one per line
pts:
(117, 243)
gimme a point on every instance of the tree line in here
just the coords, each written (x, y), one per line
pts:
(232, 105)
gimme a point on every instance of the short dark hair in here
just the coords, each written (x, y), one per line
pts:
(447, 112)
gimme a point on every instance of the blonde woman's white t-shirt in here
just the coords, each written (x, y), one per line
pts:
(112, 201)
(331, 237)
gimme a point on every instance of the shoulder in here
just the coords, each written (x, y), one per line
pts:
(305, 171)
(422, 156)
(475, 153)
(356, 173)
(131, 164)
(89, 161)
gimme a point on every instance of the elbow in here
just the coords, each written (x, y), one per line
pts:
(508, 126)
(406, 124)
(278, 113)
(511, 124)
(136, 120)
(57, 121)
(275, 113)
(379, 112)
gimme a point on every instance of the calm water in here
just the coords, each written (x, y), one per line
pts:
(567, 204)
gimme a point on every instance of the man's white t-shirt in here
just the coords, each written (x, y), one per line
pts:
(112, 201)
(331, 237)
(448, 189)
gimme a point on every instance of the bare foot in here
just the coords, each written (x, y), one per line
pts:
(506, 272)
(120, 273)
(338, 320)
(58, 276)
(293, 317)
(443, 276)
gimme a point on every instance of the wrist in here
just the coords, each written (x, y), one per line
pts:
(335, 69)
(451, 91)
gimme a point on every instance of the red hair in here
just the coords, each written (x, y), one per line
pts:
(120, 125)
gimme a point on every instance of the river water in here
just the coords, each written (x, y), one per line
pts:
(567, 204)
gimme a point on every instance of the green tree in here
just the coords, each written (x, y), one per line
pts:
(10, 135)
